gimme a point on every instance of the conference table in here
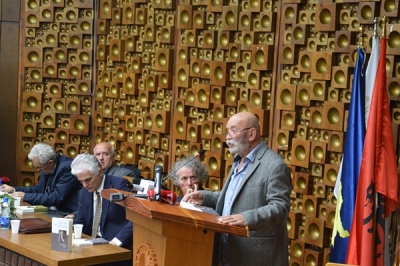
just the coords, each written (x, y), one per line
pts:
(35, 249)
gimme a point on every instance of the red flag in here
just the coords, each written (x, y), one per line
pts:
(378, 175)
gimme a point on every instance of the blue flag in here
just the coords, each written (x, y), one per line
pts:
(347, 181)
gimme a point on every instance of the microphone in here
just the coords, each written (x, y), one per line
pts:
(201, 152)
(145, 185)
(167, 196)
(116, 197)
(157, 180)
(134, 187)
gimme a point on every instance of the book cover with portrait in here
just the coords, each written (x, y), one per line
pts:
(61, 234)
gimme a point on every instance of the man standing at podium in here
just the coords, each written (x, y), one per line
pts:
(256, 194)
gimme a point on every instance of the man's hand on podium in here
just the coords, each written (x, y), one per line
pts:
(235, 219)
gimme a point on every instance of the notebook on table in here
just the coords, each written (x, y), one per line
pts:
(34, 226)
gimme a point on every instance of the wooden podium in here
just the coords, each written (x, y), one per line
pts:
(169, 235)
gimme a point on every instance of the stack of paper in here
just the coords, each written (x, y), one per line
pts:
(79, 242)
(198, 208)
(31, 209)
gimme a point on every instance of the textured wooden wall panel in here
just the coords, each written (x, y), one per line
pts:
(9, 54)
(160, 79)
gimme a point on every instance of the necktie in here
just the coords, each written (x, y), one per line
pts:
(97, 215)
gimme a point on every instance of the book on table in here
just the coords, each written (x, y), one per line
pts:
(34, 226)
(61, 234)
(31, 209)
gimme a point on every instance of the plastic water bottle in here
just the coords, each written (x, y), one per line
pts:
(5, 215)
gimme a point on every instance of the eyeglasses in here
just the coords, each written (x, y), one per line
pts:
(42, 166)
(234, 132)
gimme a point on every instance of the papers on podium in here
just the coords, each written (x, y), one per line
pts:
(198, 208)
(61, 234)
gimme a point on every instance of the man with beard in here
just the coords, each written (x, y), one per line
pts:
(256, 194)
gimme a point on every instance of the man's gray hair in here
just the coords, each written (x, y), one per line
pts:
(44, 152)
(84, 162)
(199, 169)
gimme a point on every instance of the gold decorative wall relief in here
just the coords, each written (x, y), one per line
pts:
(56, 63)
(160, 79)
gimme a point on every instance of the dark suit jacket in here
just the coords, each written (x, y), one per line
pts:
(63, 188)
(113, 222)
(122, 170)
(263, 198)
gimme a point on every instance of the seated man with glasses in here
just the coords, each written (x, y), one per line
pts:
(189, 175)
(57, 188)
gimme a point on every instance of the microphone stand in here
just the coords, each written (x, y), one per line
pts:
(158, 181)
(201, 152)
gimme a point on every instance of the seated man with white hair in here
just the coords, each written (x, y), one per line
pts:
(57, 187)
(101, 217)
(108, 221)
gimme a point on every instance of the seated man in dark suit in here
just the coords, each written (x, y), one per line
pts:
(105, 153)
(111, 224)
(57, 187)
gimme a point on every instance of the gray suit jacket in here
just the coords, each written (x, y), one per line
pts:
(263, 198)
(116, 170)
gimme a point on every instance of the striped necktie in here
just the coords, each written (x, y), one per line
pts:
(97, 215)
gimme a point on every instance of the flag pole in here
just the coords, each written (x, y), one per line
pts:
(376, 196)
(395, 226)
(361, 31)
(375, 33)
(393, 251)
